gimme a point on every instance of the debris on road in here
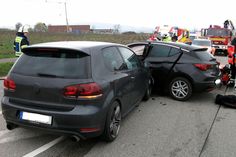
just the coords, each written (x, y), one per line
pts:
(226, 100)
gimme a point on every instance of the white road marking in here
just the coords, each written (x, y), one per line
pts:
(18, 134)
(44, 147)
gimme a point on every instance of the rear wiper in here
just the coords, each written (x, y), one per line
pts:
(212, 59)
(49, 75)
(200, 49)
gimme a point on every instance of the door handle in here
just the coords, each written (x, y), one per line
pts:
(132, 77)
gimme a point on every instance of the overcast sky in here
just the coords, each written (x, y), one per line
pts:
(138, 13)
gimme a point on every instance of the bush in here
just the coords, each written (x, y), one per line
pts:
(5, 67)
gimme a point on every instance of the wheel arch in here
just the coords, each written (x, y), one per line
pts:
(179, 93)
(184, 75)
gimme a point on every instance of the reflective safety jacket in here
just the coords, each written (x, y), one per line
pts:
(166, 39)
(20, 42)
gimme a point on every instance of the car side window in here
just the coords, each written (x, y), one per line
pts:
(138, 50)
(159, 51)
(174, 51)
(112, 59)
(130, 58)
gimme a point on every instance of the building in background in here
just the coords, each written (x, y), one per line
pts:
(78, 29)
(102, 31)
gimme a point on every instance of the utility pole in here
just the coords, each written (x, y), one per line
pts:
(67, 23)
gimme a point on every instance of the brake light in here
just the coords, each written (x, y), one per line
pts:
(87, 130)
(9, 84)
(87, 91)
(203, 67)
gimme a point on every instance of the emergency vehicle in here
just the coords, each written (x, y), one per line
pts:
(181, 34)
(220, 36)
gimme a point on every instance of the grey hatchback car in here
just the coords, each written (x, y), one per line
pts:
(79, 88)
(179, 69)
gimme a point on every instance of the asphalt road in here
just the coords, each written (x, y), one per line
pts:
(160, 127)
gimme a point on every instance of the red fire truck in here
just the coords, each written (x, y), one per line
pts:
(220, 36)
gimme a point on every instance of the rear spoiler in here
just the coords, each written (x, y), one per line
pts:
(35, 50)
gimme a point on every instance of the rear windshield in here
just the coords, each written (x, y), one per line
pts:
(218, 32)
(202, 42)
(56, 63)
(205, 56)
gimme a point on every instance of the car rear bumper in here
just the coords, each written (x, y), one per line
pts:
(206, 86)
(220, 47)
(83, 121)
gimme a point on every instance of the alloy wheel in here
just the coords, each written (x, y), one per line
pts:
(180, 89)
(115, 121)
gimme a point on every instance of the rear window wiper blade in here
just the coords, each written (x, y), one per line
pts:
(213, 59)
(49, 75)
(200, 49)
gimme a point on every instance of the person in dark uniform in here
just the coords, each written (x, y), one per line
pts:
(21, 41)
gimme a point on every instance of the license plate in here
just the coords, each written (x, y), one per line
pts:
(35, 117)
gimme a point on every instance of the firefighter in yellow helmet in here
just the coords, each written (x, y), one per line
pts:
(21, 41)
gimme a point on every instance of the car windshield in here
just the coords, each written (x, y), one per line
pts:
(192, 37)
(61, 64)
(201, 42)
(218, 32)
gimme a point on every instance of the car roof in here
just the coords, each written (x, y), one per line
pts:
(73, 45)
(175, 44)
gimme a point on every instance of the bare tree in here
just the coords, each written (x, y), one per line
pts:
(116, 28)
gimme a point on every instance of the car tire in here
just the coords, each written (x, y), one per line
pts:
(148, 92)
(180, 89)
(113, 120)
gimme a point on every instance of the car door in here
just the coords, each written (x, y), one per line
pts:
(138, 74)
(140, 49)
(119, 76)
(161, 59)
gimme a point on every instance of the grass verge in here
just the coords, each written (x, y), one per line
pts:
(4, 68)
(7, 55)
(7, 38)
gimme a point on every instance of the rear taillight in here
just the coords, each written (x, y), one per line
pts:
(87, 130)
(203, 67)
(87, 91)
(9, 84)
